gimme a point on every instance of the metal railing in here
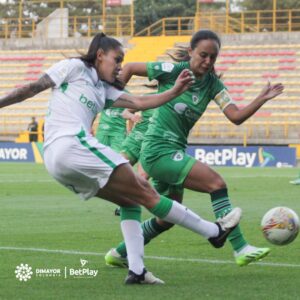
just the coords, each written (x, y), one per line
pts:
(122, 25)
(250, 21)
(87, 26)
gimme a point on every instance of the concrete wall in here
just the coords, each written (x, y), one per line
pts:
(264, 38)
(53, 43)
(56, 25)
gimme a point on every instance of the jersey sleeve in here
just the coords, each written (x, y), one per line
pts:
(111, 95)
(64, 70)
(162, 71)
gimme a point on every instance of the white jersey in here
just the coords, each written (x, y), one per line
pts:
(78, 96)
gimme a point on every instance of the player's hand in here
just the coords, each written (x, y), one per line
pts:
(184, 81)
(271, 91)
(136, 118)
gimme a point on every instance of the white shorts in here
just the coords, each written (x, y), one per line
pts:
(83, 165)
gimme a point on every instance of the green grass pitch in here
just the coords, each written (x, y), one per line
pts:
(45, 226)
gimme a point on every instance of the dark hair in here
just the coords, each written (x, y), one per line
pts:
(100, 41)
(181, 53)
(106, 43)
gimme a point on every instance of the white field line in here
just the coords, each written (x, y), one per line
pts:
(25, 180)
(178, 259)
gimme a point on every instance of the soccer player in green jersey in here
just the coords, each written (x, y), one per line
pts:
(163, 151)
(112, 127)
(131, 146)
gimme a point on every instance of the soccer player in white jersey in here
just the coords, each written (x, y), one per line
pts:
(81, 88)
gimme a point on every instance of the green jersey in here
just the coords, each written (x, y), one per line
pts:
(111, 122)
(172, 122)
(142, 126)
(131, 146)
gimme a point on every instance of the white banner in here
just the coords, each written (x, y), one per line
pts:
(118, 2)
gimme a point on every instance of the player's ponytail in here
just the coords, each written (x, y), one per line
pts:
(100, 41)
(179, 54)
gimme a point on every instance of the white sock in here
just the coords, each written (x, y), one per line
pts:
(134, 240)
(181, 215)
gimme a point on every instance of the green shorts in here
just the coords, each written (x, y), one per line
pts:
(168, 171)
(113, 142)
(131, 146)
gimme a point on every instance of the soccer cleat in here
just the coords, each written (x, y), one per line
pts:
(118, 211)
(145, 278)
(252, 255)
(226, 225)
(296, 181)
(114, 259)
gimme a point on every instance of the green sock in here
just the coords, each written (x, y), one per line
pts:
(221, 206)
(131, 213)
(162, 208)
(151, 229)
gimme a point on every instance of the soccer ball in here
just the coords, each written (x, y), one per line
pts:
(280, 225)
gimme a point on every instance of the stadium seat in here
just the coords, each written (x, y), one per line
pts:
(245, 69)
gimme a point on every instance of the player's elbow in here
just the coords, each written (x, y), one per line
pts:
(236, 118)
(237, 121)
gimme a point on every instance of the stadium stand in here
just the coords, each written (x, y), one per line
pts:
(245, 68)
(17, 68)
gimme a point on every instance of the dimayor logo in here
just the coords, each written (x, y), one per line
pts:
(23, 272)
(264, 157)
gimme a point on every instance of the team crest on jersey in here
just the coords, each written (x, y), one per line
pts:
(177, 156)
(195, 99)
(180, 108)
(167, 67)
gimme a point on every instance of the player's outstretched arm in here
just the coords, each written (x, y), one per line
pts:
(130, 69)
(27, 91)
(183, 82)
(238, 116)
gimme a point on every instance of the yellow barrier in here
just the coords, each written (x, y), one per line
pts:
(297, 146)
(148, 48)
